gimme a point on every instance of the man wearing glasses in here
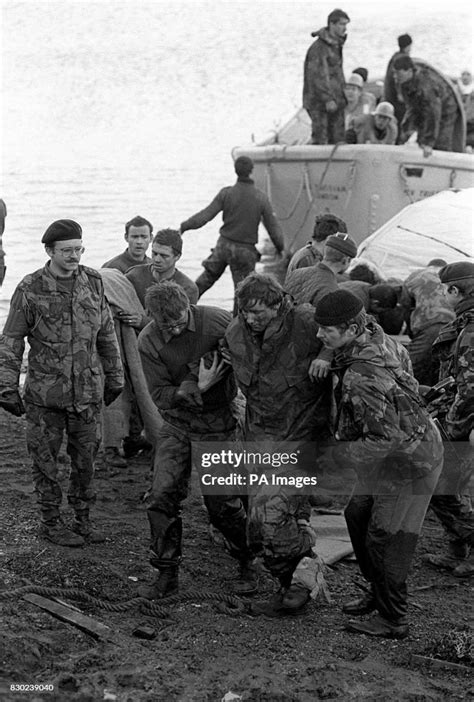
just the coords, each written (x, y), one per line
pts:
(195, 402)
(62, 311)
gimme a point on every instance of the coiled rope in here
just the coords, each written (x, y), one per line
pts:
(228, 604)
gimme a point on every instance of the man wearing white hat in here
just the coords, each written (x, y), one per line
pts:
(379, 127)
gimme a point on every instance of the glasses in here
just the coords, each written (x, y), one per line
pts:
(174, 325)
(69, 251)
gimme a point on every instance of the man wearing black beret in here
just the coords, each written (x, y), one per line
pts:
(454, 348)
(62, 311)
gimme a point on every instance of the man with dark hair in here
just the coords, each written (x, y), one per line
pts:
(196, 405)
(431, 106)
(138, 236)
(312, 252)
(271, 345)
(455, 349)
(323, 89)
(388, 438)
(166, 249)
(426, 311)
(391, 90)
(243, 207)
(310, 284)
(61, 309)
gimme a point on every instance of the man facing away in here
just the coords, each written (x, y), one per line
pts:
(196, 405)
(388, 438)
(271, 345)
(62, 311)
(323, 89)
(243, 207)
(431, 106)
(312, 252)
(392, 93)
(138, 237)
(310, 284)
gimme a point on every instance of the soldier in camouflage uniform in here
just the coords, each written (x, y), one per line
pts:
(431, 106)
(312, 253)
(62, 311)
(455, 349)
(271, 345)
(196, 406)
(323, 89)
(389, 439)
(426, 310)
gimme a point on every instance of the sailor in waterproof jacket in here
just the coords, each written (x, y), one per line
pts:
(73, 346)
(391, 442)
(324, 82)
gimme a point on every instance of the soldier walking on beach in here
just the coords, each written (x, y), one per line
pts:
(196, 405)
(62, 311)
(386, 435)
(323, 89)
(243, 207)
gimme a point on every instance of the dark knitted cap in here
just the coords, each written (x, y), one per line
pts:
(243, 166)
(337, 307)
(362, 72)
(404, 40)
(462, 270)
(327, 224)
(169, 237)
(62, 230)
(343, 243)
(403, 63)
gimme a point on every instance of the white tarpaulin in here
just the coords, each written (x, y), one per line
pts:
(440, 226)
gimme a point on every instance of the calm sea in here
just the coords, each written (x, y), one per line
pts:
(112, 109)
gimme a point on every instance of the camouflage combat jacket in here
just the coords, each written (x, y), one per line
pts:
(272, 372)
(71, 337)
(455, 349)
(323, 74)
(423, 300)
(427, 98)
(380, 415)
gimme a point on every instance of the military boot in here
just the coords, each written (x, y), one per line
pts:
(58, 533)
(165, 583)
(83, 527)
(247, 581)
(166, 537)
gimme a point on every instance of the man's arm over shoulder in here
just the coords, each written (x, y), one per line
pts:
(271, 223)
(107, 344)
(204, 216)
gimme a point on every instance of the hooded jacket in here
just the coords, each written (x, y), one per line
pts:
(323, 74)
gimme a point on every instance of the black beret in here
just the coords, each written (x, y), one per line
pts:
(62, 230)
(337, 307)
(462, 270)
(343, 243)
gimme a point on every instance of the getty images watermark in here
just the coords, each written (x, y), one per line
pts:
(306, 467)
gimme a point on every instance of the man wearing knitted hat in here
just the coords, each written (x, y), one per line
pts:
(312, 252)
(62, 311)
(391, 90)
(386, 435)
(431, 106)
(310, 284)
(454, 348)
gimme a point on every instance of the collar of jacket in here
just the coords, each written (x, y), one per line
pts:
(50, 282)
(244, 179)
(326, 36)
(464, 306)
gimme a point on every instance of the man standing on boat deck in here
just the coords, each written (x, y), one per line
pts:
(62, 310)
(391, 88)
(323, 89)
(138, 237)
(243, 207)
(431, 106)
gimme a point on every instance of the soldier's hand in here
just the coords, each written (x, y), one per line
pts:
(11, 402)
(111, 394)
(427, 151)
(319, 369)
(331, 106)
(189, 393)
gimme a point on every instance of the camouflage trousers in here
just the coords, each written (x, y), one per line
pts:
(384, 530)
(170, 486)
(45, 428)
(273, 528)
(327, 127)
(241, 259)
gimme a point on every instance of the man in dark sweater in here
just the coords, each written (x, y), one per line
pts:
(138, 237)
(196, 406)
(243, 207)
